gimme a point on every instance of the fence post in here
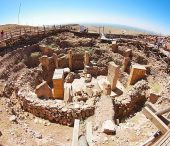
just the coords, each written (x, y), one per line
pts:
(44, 28)
(5, 36)
(20, 31)
(34, 29)
(54, 27)
(25, 31)
(30, 29)
(11, 34)
(37, 30)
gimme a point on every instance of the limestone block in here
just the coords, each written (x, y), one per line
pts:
(126, 63)
(43, 90)
(67, 94)
(137, 72)
(70, 77)
(128, 53)
(70, 56)
(46, 50)
(167, 47)
(86, 58)
(44, 60)
(58, 83)
(153, 98)
(88, 78)
(93, 70)
(108, 127)
(106, 88)
(113, 74)
(114, 47)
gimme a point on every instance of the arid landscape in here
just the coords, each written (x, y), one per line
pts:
(62, 87)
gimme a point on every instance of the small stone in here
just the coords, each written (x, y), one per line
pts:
(0, 133)
(88, 78)
(76, 106)
(105, 140)
(48, 124)
(69, 78)
(36, 121)
(68, 139)
(112, 138)
(13, 118)
(78, 92)
(37, 135)
(41, 121)
(108, 127)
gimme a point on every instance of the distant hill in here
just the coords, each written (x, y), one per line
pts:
(117, 29)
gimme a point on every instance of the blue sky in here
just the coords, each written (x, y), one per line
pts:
(152, 15)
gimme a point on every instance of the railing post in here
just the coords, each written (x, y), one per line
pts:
(37, 30)
(30, 29)
(44, 28)
(5, 35)
(34, 29)
(54, 27)
(25, 31)
(20, 31)
(11, 34)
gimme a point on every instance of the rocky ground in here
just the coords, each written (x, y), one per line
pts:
(20, 128)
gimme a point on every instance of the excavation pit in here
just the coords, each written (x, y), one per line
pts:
(71, 77)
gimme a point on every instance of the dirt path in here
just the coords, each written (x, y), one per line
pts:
(104, 110)
(29, 130)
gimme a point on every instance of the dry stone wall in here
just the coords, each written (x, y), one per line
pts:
(78, 61)
(54, 110)
(132, 101)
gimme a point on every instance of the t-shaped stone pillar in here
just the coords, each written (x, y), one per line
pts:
(55, 57)
(126, 62)
(86, 58)
(44, 60)
(70, 59)
(113, 74)
(114, 47)
(58, 83)
(137, 72)
(128, 53)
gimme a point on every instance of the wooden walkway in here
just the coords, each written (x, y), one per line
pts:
(164, 140)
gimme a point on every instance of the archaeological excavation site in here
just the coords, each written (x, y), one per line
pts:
(63, 87)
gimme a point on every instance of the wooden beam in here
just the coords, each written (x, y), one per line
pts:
(75, 133)
(154, 110)
(156, 121)
(161, 112)
(89, 133)
(163, 139)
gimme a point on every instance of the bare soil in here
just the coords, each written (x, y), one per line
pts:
(28, 130)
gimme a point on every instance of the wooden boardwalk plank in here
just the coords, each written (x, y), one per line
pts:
(75, 133)
(156, 121)
(89, 133)
(165, 139)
